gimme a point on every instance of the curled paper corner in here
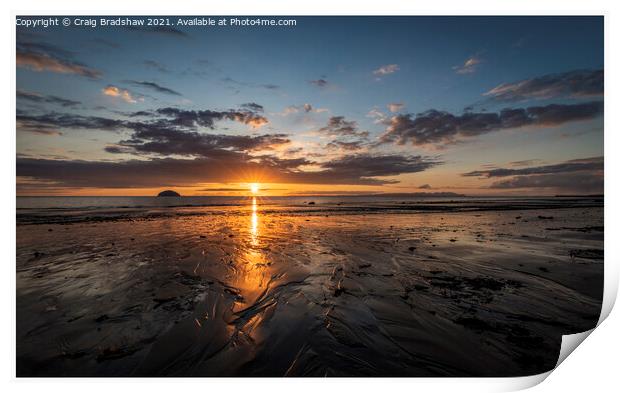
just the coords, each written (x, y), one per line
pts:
(522, 383)
(570, 342)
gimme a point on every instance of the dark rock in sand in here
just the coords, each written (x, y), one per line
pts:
(479, 283)
(168, 193)
(73, 355)
(114, 352)
(102, 318)
(474, 323)
(587, 254)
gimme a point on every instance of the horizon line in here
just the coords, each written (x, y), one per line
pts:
(421, 194)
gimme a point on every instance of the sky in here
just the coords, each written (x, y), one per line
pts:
(331, 105)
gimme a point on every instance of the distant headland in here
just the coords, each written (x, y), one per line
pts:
(168, 193)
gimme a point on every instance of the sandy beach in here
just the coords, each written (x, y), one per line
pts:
(260, 291)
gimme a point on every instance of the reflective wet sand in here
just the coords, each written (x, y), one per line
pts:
(248, 292)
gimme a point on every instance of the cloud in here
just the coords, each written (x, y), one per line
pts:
(469, 66)
(36, 129)
(44, 132)
(573, 84)
(386, 69)
(155, 87)
(207, 118)
(347, 136)
(290, 110)
(253, 107)
(306, 108)
(378, 116)
(320, 83)
(439, 128)
(171, 132)
(62, 120)
(155, 65)
(139, 114)
(166, 118)
(338, 126)
(395, 107)
(44, 48)
(425, 187)
(579, 176)
(170, 142)
(368, 165)
(123, 94)
(577, 183)
(238, 84)
(50, 99)
(523, 163)
(584, 164)
(355, 169)
(132, 173)
(44, 62)
(345, 146)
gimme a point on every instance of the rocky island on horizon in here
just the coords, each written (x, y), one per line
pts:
(168, 193)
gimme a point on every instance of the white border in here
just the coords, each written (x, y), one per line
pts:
(576, 371)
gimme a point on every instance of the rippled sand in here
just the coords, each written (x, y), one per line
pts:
(485, 293)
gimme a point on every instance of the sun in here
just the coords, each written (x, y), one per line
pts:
(254, 188)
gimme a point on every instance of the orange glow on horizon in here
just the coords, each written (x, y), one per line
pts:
(263, 189)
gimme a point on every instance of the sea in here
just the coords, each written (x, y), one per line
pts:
(66, 209)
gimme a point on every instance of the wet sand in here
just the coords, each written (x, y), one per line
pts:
(268, 293)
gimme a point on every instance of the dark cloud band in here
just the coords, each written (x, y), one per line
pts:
(438, 128)
(581, 176)
(356, 169)
(574, 84)
(587, 164)
(154, 87)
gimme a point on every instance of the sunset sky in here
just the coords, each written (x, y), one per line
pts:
(473, 105)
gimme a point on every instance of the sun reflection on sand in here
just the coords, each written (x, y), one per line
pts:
(254, 228)
(252, 268)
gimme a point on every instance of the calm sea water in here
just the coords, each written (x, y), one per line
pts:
(59, 203)
(91, 202)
